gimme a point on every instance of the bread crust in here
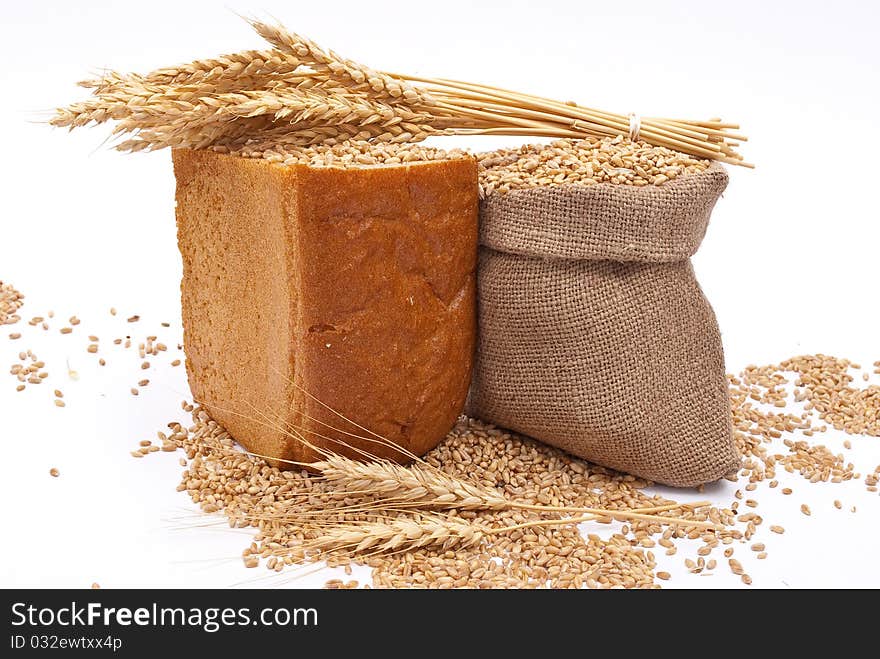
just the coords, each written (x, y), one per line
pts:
(328, 306)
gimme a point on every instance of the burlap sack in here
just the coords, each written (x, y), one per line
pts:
(594, 335)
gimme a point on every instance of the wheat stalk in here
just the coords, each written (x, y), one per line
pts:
(416, 483)
(245, 142)
(425, 530)
(297, 110)
(363, 78)
(399, 534)
(423, 485)
(318, 97)
(320, 107)
(247, 69)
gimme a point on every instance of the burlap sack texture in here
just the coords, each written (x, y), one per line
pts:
(594, 335)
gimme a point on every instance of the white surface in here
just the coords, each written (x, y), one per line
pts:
(789, 263)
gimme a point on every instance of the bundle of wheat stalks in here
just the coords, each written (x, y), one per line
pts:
(296, 94)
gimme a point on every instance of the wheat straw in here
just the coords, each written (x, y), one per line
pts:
(314, 96)
(431, 488)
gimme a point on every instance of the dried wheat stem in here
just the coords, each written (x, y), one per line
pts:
(232, 68)
(214, 120)
(399, 534)
(315, 96)
(676, 134)
(652, 509)
(431, 487)
(541, 523)
(362, 76)
(319, 107)
(425, 530)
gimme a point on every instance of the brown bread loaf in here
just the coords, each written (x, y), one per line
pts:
(311, 288)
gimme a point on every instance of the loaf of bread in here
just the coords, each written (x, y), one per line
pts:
(328, 306)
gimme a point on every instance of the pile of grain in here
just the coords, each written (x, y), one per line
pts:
(10, 302)
(583, 162)
(563, 162)
(824, 385)
(250, 493)
(827, 388)
(353, 154)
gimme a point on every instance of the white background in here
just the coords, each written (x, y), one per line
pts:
(790, 260)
